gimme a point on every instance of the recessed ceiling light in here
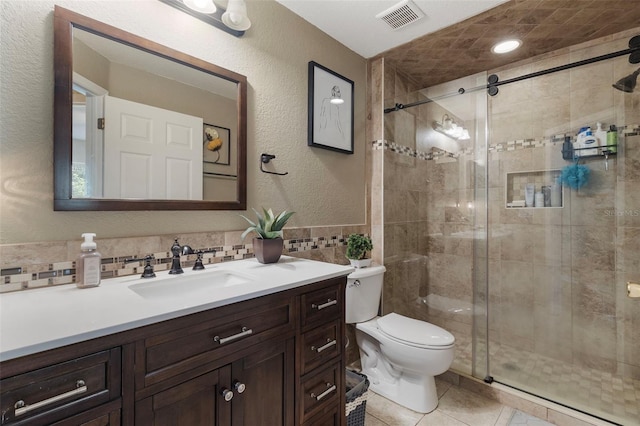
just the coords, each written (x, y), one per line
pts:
(506, 46)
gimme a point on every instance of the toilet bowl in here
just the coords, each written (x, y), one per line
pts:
(399, 355)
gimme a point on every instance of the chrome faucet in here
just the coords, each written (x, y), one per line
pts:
(176, 251)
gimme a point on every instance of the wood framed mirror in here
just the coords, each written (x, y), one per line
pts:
(140, 126)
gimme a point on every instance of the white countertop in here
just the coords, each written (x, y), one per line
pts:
(36, 320)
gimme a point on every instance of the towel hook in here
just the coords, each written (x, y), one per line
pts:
(265, 158)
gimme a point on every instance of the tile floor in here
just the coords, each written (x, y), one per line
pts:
(457, 407)
(608, 395)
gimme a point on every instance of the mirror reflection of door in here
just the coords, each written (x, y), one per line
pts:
(151, 153)
(148, 80)
(87, 155)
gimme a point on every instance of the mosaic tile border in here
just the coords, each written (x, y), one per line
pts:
(16, 278)
(555, 140)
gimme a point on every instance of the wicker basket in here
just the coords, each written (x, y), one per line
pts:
(357, 386)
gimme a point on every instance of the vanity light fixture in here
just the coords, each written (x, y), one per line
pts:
(236, 16)
(506, 46)
(449, 128)
(234, 20)
(202, 6)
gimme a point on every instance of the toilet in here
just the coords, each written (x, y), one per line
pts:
(399, 355)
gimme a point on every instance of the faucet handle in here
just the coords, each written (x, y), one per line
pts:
(198, 265)
(175, 248)
(148, 268)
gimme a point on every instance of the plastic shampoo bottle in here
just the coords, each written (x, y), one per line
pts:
(88, 263)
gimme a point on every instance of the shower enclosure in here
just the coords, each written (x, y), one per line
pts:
(535, 294)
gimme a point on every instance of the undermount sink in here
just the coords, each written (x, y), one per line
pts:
(199, 284)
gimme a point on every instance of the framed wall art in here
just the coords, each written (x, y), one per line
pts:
(330, 110)
(216, 148)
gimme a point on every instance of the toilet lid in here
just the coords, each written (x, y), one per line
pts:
(414, 331)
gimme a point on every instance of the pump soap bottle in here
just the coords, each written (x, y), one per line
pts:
(88, 263)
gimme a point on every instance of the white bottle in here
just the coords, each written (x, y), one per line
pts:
(601, 135)
(88, 263)
(539, 199)
(586, 144)
(529, 194)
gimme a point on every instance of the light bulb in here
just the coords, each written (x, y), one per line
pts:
(202, 6)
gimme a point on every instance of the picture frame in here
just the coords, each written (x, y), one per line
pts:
(330, 123)
(221, 156)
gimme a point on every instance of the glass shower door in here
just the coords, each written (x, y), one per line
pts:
(557, 260)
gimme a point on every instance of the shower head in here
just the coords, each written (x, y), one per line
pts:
(628, 83)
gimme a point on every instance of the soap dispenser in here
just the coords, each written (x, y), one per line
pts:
(88, 263)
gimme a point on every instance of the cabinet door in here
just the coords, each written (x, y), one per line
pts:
(266, 378)
(195, 402)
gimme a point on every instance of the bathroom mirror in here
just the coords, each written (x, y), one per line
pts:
(140, 126)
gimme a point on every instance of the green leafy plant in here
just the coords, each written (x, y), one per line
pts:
(269, 226)
(357, 246)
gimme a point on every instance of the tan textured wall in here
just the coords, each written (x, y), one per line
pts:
(323, 187)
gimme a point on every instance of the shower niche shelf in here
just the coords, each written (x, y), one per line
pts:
(515, 188)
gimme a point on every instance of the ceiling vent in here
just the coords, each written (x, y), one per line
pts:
(401, 15)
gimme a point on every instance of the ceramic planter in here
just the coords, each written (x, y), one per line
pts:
(360, 263)
(268, 251)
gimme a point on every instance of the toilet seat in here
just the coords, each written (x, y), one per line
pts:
(414, 332)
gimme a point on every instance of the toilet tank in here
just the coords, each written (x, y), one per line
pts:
(362, 299)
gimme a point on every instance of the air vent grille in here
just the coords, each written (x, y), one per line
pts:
(401, 15)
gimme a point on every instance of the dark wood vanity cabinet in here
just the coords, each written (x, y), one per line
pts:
(83, 388)
(272, 360)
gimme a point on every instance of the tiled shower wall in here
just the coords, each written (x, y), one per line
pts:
(34, 265)
(556, 276)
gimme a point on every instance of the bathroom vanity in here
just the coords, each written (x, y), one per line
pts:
(264, 346)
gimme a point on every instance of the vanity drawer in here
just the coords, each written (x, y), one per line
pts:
(321, 306)
(175, 352)
(320, 345)
(56, 392)
(320, 390)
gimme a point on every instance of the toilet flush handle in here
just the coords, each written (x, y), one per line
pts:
(355, 283)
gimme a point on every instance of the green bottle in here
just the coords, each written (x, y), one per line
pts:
(612, 139)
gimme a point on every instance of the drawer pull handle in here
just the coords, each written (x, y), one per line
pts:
(324, 347)
(325, 305)
(330, 389)
(245, 332)
(22, 407)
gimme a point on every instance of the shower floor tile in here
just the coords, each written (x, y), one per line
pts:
(603, 394)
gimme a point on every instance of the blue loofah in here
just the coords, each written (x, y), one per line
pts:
(575, 176)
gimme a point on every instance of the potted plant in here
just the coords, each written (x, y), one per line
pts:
(357, 247)
(268, 244)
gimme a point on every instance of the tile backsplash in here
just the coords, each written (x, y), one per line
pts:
(34, 265)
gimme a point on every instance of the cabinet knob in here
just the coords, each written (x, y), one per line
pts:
(226, 394)
(240, 387)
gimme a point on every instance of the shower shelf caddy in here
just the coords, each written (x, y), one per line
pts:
(603, 151)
